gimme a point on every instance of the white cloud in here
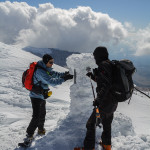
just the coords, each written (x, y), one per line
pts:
(143, 42)
(129, 26)
(13, 18)
(139, 41)
(45, 7)
(79, 29)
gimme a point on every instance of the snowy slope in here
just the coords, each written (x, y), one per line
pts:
(67, 109)
(15, 106)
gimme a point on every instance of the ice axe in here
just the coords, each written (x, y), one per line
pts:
(98, 119)
(88, 69)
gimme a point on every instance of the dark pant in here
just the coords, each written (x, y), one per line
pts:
(89, 141)
(38, 117)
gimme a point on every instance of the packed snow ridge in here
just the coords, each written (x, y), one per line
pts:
(67, 109)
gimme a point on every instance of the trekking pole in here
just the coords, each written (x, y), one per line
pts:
(98, 119)
(142, 92)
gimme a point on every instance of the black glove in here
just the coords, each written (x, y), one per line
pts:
(95, 72)
(66, 72)
(67, 77)
(90, 74)
(95, 102)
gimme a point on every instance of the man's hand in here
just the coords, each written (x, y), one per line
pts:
(90, 75)
(95, 102)
(66, 72)
(67, 77)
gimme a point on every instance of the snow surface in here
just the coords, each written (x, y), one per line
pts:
(67, 109)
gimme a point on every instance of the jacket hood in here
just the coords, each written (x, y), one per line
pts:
(43, 65)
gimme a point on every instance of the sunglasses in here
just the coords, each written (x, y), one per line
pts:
(51, 62)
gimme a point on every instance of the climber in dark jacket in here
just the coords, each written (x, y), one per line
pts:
(104, 100)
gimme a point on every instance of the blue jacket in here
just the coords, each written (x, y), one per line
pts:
(44, 79)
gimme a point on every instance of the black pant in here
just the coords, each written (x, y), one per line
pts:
(89, 141)
(38, 117)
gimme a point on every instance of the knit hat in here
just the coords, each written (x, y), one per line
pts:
(100, 54)
(46, 58)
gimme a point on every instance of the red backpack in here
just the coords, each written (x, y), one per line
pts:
(27, 79)
(27, 76)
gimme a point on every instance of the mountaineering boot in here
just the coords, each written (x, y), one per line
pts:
(78, 148)
(105, 147)
(82, 148)
(41, 132)
(27, 141)
(28, 136)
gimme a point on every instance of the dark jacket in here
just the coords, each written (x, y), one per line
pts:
(104, 84)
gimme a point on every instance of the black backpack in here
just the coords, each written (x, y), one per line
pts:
(122, 86)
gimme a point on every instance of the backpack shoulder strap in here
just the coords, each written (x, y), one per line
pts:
(114, 62)
(39, 67)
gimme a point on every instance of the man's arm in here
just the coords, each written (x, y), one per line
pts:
(42, 76)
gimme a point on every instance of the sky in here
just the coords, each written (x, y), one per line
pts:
(78, 25)
(135, 11)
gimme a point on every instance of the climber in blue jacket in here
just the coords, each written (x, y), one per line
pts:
(43, 76)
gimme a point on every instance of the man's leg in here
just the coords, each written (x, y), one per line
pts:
(35, 117)
(42, 115)
(106, 134)
(89, 141)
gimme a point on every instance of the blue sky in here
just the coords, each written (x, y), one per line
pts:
(135, 11)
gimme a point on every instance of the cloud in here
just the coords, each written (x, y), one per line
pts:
(138, 40)
(79, 29)
(13, 18)
(143, 42)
